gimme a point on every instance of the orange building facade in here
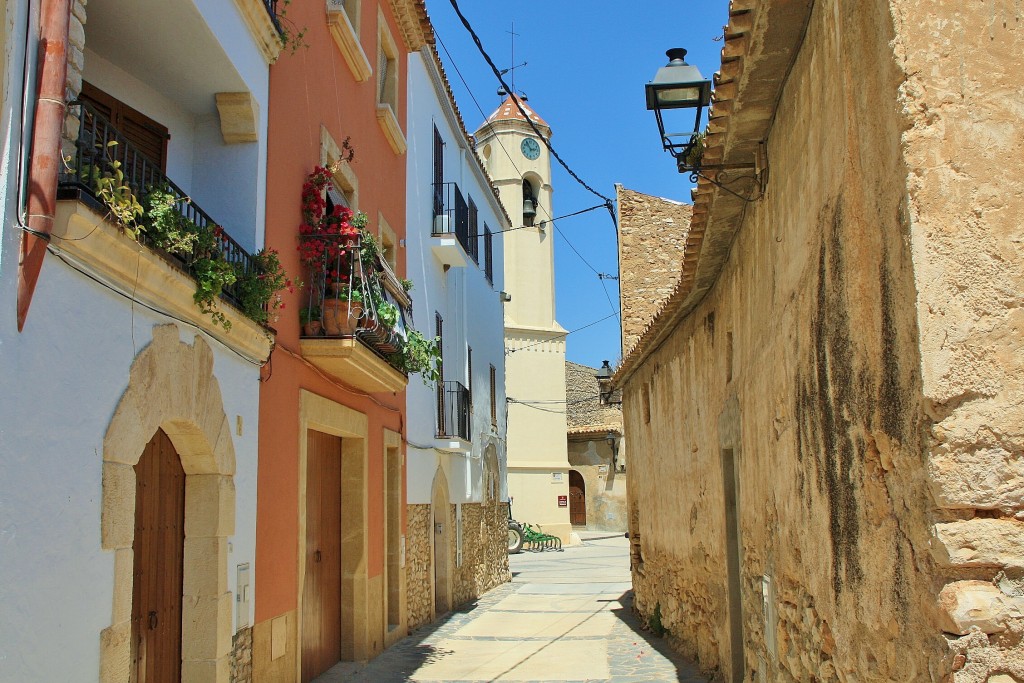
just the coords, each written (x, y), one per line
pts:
(331, 503)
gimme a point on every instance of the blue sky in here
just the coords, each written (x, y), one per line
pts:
(587, 63)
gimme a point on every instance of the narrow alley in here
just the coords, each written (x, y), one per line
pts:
(565, 617)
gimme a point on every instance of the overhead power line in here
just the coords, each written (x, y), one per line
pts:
(560, 336)
(515, 98)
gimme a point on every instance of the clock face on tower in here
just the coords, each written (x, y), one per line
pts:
(530, 148)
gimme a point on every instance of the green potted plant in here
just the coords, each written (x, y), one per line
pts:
(309, 318)
(258, 288)
(419, 355)
(342, 312)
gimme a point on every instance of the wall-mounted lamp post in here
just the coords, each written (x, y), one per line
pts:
(677, 87)
(604, 377)
(613, 443)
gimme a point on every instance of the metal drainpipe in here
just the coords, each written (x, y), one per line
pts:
(54, 20)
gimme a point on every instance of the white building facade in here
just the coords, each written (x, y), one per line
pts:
(456, 431)
(122, 399)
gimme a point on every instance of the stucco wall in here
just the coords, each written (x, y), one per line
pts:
(605, 488)
(79, 343)
(862, 300)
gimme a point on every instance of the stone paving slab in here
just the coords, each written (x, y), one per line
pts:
(519, 661)
(576, 588)
(540, 625)
(555, 603)
(567, 628)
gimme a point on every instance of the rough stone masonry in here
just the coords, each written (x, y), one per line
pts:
(839, 411)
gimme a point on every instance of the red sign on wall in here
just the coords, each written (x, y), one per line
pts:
(563, 501)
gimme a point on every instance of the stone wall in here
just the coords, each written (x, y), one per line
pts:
(484, 551)
(76, 64)
(419, 578)
(241, 656)
(859, 359)
(648, 268)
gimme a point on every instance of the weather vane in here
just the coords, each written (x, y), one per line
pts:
(511, 69)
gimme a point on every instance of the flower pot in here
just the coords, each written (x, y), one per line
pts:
(341, 317)
(312, 329)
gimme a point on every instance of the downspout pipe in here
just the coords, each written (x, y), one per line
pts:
(45, 164)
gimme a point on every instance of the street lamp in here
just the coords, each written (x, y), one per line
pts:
(678, 85)
(613, 444)
(604, 376)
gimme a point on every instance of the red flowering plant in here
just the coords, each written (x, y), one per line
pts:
(325, 236)
(329, 236)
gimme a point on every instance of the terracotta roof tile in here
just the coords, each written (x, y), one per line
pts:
(508, 111)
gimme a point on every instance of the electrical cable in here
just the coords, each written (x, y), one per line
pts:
(562, 335)
(541, 224)
(608, 204)
(68, 262)
(515, 98)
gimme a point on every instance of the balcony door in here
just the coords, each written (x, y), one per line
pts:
(146, 135)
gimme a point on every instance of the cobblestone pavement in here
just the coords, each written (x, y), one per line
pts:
(565, 617)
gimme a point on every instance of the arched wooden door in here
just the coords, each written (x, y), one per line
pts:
(577, 499)
(157, 564)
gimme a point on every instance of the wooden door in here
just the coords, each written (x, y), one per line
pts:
(157, 570)
(577, 499)
(321, 593)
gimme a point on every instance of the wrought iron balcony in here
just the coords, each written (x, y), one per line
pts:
(271, 6)
(356, 302)
(451, 214)
(102, 153)
(453, 410)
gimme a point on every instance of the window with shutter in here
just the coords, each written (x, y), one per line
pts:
(472, 238)
(488, 254)
(143, 133)
(438, 174)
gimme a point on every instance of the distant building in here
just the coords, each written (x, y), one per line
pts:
(538, 466)
(597, 455)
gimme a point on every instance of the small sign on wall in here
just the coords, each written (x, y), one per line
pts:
(556, 477)
(563, 501)
(602, 469)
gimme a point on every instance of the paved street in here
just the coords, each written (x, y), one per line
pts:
(565, 617)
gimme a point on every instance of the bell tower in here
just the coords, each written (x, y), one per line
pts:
(519, 163)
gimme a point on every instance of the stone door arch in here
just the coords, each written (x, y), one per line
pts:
(171, 387)
(577, 499)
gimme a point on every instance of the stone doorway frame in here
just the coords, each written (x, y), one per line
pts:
(324, 415)
(172, 387)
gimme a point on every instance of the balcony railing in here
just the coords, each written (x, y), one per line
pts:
(451, 213)
(101, 151)
(453, 410)
(352, 295)
(271, 6)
